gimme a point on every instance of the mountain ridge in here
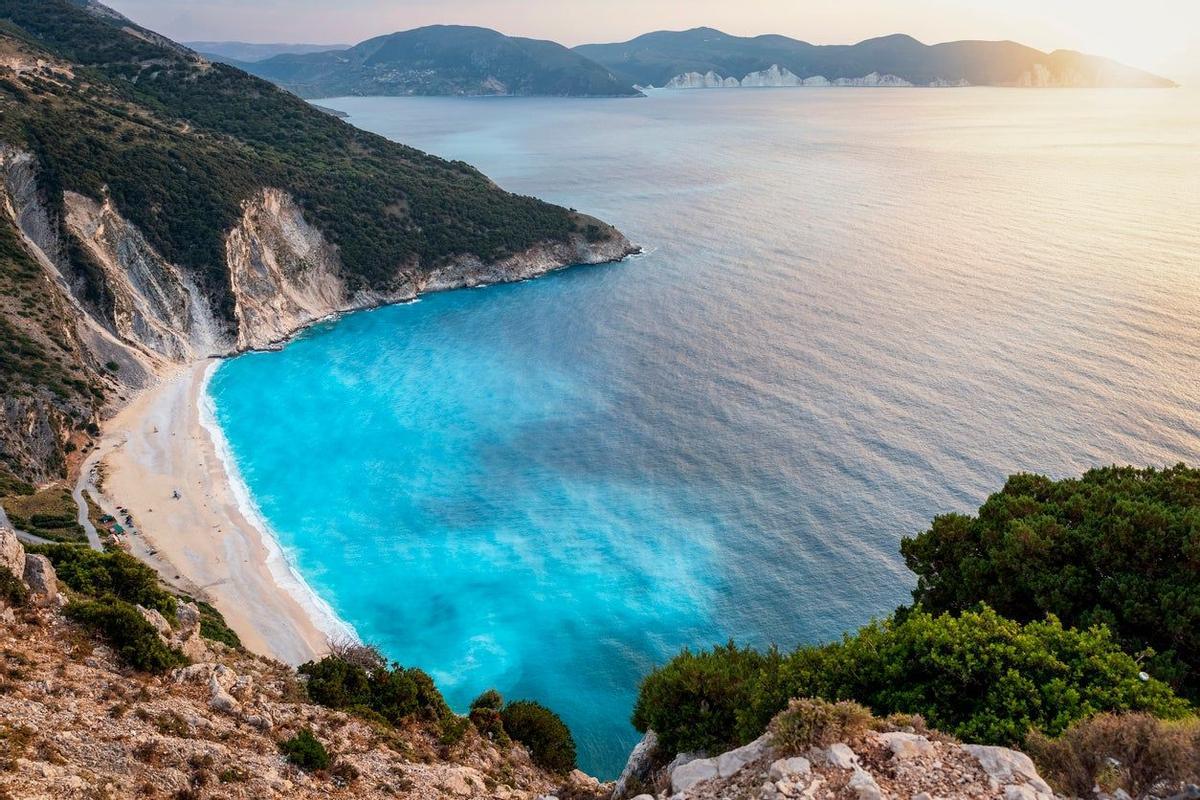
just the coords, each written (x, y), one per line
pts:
(654, 59)
(442, 60)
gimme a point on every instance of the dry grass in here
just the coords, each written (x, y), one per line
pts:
(809, 723)
(1134, 752)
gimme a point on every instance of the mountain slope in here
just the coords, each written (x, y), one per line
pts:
(654, 59)
(442, 59)
(230, 52)
(161, 208)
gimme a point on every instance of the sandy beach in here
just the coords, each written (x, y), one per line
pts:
(204, 541)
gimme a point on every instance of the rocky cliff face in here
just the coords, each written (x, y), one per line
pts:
(129, 313)
(777, 76)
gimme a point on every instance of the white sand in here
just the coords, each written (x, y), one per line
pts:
(206, 540)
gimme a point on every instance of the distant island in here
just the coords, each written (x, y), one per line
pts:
(441, 60)
(461, 60)
(709, 58)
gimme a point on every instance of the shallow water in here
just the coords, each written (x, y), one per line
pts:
(858, 309)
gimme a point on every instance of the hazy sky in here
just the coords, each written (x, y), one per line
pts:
(1161, 35)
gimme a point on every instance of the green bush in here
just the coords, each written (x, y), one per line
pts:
(542, 731)
(698, 701)
(809, 723)
(305, 751)
(1119, 546)
(113, 572)
(393, 693)
(13, 590)
(489, 699)
(485, 716)
(334, 683)
(977, 676)
(127, 631)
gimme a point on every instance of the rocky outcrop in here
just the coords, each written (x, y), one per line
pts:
(152, 304)
(778, 76)
(902, 765)
(872, 80)
(707, 80)
(775, 76)
(283, 272)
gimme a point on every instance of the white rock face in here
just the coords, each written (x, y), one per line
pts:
(709, 80)
(691, 773)
(12, 553)
(907, 745)
(1009, 767)
(156, 308)
(872, 80)
(942, 83)
(818, 81)
(775, 76)
(734, 760)
(841, 756)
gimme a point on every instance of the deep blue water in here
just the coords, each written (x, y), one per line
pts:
(858, 309)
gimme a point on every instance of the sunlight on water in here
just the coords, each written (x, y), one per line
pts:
(858, 309)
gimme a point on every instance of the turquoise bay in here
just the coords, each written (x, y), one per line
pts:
(857, 309)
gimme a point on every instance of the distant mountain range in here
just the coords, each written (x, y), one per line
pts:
(248, 51)
(442, 60)
(459, 60)
(708, 58)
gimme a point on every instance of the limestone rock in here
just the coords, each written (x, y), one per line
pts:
(864, 786)
(691, 773)
(463, 782)
(841, 756)
(734, 760)
(221, 700)
(907, 745)
(12, 554)
(1008, 766)
(157, 620)
(788, 767)
(638, 766)
(42, 581)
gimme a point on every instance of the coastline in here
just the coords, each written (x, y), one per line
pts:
(211, 540)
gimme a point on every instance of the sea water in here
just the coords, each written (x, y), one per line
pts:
(857, 309)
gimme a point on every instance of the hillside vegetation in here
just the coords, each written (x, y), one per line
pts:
(441, 60)
(654, 58)
(1058, 619)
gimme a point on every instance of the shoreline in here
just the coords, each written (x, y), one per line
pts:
(211, 541)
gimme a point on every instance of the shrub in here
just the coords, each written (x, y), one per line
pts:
(113, 572)
(542, 731)
(490, 699)
(13, 590)
(453, 729)
(392, 693)
(485, 716)
(809, 723)
(1118, 546)
(354, 652)
(335, 683)
(133, 638)
(976, 676)
(305, 751)
(699, 701)
(1134, 752)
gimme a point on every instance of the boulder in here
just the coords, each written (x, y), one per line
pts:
(691, 773)
(464, 782)
(734, 760)
(12, 553)
(864, 786)
(907, 745)
(42, 581)
(639, 765)
(1009, 767)
(158, 621)
(841, 756)
(221, 700)
(789, 767)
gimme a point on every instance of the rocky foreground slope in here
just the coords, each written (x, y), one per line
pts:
(76, 723)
